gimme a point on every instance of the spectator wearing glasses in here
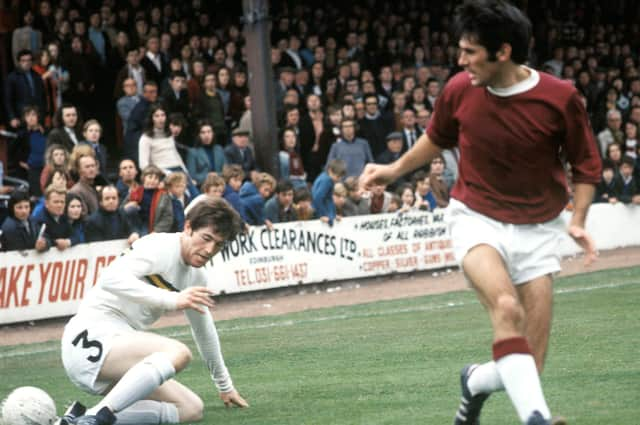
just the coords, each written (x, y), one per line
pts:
(375, 125)
(354, 151)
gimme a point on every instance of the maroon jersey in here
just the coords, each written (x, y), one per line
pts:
(511, 145)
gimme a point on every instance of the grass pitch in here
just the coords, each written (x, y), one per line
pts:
(397, 362)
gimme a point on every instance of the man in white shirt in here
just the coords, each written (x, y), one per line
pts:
(106, 348)
(153, 63)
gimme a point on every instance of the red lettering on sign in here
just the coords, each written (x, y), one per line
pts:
(27, 285)
(44, 274)
(81, 275)
(54, 283)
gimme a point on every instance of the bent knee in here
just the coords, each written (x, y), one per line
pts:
(181, 355)
(508, 309)
(192, 410)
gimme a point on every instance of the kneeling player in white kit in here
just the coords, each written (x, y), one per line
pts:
(106, 348)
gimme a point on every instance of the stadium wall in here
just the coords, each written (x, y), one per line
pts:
(39, 286)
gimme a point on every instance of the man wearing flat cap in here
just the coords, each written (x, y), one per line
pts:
(391, 153)
(239, 152)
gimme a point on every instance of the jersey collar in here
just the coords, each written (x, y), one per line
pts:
(520, 87)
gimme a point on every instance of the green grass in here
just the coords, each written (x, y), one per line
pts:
(397, 362)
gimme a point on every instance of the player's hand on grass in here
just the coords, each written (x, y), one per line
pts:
(376, 174)
(582, 238)
(195, 298)
(232, 398)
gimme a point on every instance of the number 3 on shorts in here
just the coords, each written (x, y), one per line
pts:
(86, 343)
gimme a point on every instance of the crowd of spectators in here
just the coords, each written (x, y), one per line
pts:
(127, 112)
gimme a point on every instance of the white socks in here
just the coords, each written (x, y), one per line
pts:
(139, 381)
(148, 412)
(485, 379)
(517, 369)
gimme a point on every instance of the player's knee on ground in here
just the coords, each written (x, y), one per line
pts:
(180, 355)
(192, 409)
(509, 310)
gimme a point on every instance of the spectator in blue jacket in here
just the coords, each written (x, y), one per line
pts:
(322, 190)
(206, 155)
(19, 231)
(32, 147)
(233, 176)
(425, 199)
(253, 196)
(279, 209)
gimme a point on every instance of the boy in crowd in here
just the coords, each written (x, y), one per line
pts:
(142, 201)
(233, 176)
(253, 196)
(355, 204)
(607, 190)
(322, 190)
(379, 199)
(302, 204)
(425, 199)
(339, 198)
(279, 209)
(628, 187)
(168, 215)
(212, 187)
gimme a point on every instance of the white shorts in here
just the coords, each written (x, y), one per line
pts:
(528, 250)
(85, 345)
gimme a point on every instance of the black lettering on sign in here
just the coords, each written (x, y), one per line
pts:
(86, 343)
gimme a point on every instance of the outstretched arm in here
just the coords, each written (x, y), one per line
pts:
(422, 152)
(205, 335)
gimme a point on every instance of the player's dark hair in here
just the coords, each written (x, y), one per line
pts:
(492, 23)
(217, 213)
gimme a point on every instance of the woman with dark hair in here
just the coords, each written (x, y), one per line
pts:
(19, 231)
(157, 147)
(206, 156)
(73, 211)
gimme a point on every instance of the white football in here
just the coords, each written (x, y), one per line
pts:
(28, 406)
